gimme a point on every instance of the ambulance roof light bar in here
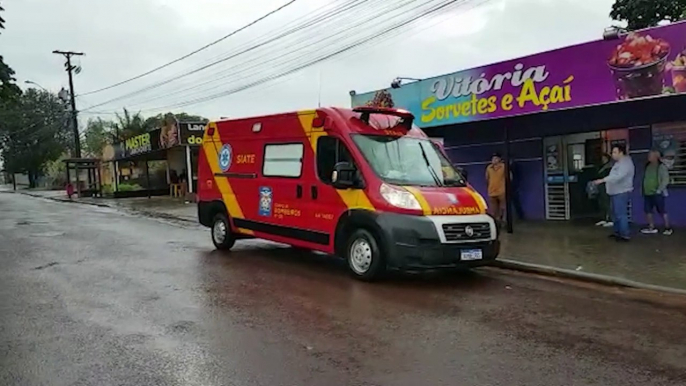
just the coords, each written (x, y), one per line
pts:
(366, 111)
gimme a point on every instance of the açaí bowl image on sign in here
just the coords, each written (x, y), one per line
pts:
(638, 66)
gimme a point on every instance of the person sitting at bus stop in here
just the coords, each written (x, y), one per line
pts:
(619, 184)
(655, 182)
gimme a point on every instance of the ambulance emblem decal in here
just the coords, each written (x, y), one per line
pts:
(265, 207)
(225, 157)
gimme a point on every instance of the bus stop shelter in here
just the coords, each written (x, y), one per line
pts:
(91, 185)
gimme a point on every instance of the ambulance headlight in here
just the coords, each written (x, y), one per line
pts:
(399, 197)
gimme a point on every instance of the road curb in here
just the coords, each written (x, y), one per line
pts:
(145, 213)
(583, 276)
(56, 199)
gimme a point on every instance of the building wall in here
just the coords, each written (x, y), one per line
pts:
(640, 143)
(527, 155)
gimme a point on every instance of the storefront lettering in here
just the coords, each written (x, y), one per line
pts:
(246, 158)
(530, 94)
(194, 140)
(138, 144)
(475, 106)
(546, 95)
(462, 87)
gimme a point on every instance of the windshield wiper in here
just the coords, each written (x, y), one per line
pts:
(428, 165)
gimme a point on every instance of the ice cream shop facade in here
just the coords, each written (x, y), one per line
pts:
(555, 114)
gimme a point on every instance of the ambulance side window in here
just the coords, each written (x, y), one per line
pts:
(330, 151)
(283, 160)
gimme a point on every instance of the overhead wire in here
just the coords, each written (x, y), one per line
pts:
(298, 67)
(302, 26)
(192, 52)
(236, 71)
(380, 42)
(385, 34)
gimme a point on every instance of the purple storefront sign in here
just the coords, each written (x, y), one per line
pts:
(644, 64)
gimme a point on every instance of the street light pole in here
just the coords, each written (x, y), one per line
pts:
(75, 123)
(36, 84)
(398, 82)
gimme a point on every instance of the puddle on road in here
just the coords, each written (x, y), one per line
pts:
(27, 222)
(47, 234)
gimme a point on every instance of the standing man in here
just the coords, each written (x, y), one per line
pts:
(655, 181)
(495, 180)
(514, 188)
(619, 185)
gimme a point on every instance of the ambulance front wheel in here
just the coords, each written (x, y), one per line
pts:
(221, 233)
(365, 259)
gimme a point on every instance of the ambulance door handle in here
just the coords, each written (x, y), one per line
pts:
(299, 191)
(314, 192)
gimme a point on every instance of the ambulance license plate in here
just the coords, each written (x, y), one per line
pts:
(471, 254)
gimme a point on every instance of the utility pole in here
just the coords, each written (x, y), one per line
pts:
(75, 123)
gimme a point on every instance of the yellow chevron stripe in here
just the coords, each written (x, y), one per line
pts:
(426, 208)
(211, 146)
(353, 198)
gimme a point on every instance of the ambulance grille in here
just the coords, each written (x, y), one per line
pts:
(458, 232)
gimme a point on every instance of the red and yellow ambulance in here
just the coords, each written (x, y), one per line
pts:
(365, 184)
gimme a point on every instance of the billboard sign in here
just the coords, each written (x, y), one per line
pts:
(192, 133)
(641, 64)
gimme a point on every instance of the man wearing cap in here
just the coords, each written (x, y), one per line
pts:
(495, 180)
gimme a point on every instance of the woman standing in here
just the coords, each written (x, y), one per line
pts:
(603, 198)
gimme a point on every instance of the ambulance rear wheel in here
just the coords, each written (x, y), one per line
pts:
(222, 237)
(365, 259)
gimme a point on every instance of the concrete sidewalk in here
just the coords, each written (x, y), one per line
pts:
(655, 260)
(160, 207)
(559, 248)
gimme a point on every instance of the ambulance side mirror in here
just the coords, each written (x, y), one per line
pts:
(344, 176)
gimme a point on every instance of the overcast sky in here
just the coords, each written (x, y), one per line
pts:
(124, 38)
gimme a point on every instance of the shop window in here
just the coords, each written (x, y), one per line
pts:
(330, 151)
(283, 160)
(670, 140)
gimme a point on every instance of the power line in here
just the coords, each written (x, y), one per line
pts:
(379, 42)
(193, 52)
(385, 34)
(313, 21)
(309, 63)
(293, 50)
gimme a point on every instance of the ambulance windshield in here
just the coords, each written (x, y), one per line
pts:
(408, 161)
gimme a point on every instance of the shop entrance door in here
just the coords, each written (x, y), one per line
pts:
(556, 189)
(572, 161)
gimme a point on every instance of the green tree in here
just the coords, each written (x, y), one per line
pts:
(2, 21)
(639, 14)
(98, 133)
(129, 125)
(35, 130)
(8, 90)
(158, 120)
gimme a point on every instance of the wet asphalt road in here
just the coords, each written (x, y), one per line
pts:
(90, 296)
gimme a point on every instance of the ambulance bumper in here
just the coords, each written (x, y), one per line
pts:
(435, 242)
